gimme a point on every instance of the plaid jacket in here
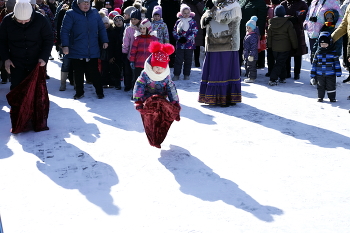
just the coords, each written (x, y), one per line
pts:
(326, 63)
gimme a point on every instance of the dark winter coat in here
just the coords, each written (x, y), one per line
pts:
(170, 9)
(113, 40)
(149, 5)
(25, 44)
(198, 10)
(250, 8)
(297, 10)
(82, 32)
(281, 36)
(250, 45)
(326, 62)
(119, 31)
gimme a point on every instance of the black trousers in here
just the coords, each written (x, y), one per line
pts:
(345, 51)
(270, 61)
(279, 69)
(326, 83)
(109, 75)
(128, 74)
(90, 69)
(297, 64)
(183, 56)
(18, 74)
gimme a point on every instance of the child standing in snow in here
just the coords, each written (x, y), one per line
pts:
(151, 90)
(185, 31)
(250, 50)
(159, 26)
(128, 39)
(139, 51)
(325, 68)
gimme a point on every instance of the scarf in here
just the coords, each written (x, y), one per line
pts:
(183, 24)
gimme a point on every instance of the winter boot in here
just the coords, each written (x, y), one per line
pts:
(346, 80)
(64, 76)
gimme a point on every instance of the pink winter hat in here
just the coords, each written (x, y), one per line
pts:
(185, 7)
(147, 24)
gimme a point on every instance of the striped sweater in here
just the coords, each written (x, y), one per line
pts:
(326, 63)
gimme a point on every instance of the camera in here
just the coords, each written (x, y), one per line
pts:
(313, 19)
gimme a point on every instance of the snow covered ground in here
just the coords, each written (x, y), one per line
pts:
(277, 162)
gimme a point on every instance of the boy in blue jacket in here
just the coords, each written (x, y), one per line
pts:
(325, 67)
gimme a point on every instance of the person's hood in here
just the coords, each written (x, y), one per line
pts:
(76, 8)
(336, 15)
(278, 22)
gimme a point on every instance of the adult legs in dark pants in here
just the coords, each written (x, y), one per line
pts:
(346, 63)
(4, 75)
(89, 68)
(18, 74)
(261, 60)
(279, 69)
(297, 66)
(197, 51)
(270, 62)
(128, 74)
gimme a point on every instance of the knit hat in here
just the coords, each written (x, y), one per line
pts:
(10, 4)
(118, 10)
(128, 10)
(325, 37)
(105, 19)
(280, 11)
(157, 10)
(118, 17)
(160, 53)
(112, 14)
(136, 14)
(184, 7)
(80, 1)
(105, 10)
(23, 10)
(252, 22)
(147, 24)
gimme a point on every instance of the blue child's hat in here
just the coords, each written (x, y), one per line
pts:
(325, 37)
(252, 22)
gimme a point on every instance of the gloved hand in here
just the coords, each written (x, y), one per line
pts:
(132, 65)
(250, 58)
(139, 106)
(313, 81)
(207, 20)
(182, 40)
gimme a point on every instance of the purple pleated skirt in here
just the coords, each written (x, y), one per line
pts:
(221, 81)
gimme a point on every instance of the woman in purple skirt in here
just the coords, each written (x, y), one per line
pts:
(221, 82)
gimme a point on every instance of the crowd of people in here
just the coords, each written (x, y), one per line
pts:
(106, 43)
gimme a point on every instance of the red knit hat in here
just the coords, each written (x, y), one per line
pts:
(160, 53)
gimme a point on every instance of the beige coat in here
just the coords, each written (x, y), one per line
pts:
(229, 17)
(343, 28)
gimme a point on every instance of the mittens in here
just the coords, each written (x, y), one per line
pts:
(250, 58)
(139, 106)
(313, 81)
(207, 20)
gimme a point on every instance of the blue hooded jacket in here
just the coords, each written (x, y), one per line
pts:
(83, 32)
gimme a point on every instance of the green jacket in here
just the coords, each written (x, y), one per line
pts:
(281, 36)
(250, 8)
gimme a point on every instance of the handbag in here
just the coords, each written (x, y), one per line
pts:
(262, 44)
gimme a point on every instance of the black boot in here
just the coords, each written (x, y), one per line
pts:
(346, 80)
(296, 76)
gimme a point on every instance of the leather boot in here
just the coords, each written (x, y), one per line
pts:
(64, 76)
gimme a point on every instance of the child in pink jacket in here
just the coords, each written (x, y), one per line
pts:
(128, 39)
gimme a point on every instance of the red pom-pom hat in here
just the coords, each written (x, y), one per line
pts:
(160, 53)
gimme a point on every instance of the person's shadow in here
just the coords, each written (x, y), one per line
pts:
(66, 164)
(199, 180)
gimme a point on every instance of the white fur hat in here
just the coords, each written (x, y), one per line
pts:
(23, 10)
